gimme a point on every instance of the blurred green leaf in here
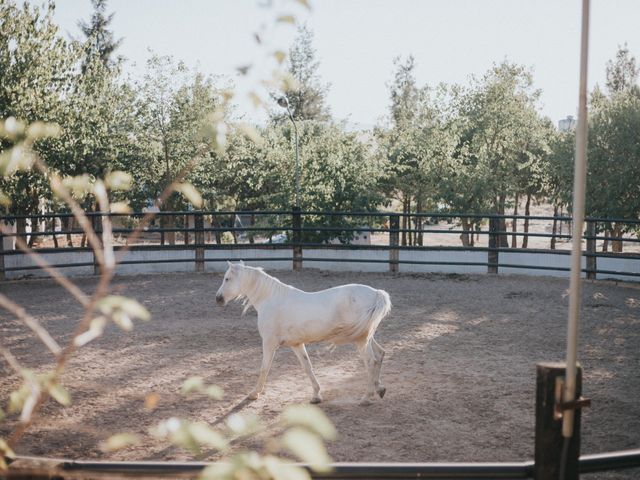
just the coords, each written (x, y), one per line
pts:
(243, 424)
(191, 193)
(304, 3)
(192, 384)
(310, 417)
(11, 128)
(280, 56)
(282, 470)
(38, 130)
(214, 392)
(120, 207)
(119, 441)
(286, 19)
(60, 394)
(307, 447)
(205, 435)
(118, 180)
(17, 158)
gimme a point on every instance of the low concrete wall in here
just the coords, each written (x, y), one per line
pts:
(55, 258)
(364, 260)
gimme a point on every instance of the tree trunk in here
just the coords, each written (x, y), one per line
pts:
(67, 225)
(616, 245)
(605, 244)
(504, 241)
(514, 224)
(465, 236)
(252, 223)
(554, 227)
(527, 212)
(21, 228)
(53, 229)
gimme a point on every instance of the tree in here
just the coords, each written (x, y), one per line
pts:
(622, 72)
(99, 40)
(499, 119)
(308, 100)
(36, 76)
(614, 160)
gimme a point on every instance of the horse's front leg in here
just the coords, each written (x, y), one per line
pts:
(269, 347)
(303, 357)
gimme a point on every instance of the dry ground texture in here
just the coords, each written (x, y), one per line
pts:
(459, 370)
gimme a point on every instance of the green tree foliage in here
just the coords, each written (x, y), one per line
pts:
(36, 75)
(99, 40)
(308, 100)
(622, 72)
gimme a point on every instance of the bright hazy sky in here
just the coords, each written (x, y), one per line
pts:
(356, 41)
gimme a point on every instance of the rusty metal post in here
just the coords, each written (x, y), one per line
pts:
(297, 239)
(198, 224)
(493, 253)
(394, 241)
(552, 455)
(591, 250)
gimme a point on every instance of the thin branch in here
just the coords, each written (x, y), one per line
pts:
(32, 323)
(11, 360)
(51, 270)
(78, 213)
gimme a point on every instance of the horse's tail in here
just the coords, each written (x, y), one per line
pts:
(377, 312)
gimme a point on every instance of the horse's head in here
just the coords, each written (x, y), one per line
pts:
(231, 284)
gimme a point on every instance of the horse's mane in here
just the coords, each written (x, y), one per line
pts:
(259, 285)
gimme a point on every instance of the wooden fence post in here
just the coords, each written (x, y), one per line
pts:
(394, 241)
(493, 253)
(549, 442)
(297, 239)
(591, 250)
(198, 225)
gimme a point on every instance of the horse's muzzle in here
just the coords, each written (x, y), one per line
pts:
(220, 300)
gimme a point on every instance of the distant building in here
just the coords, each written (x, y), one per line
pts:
(567, 124)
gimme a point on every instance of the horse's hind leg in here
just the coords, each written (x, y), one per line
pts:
(378, 351)
(303, 357)
(368, 357)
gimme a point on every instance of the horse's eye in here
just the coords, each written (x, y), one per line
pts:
(226, 279)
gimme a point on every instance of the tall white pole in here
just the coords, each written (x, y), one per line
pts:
(579, 187)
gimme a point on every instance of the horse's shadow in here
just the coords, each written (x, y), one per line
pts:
(235, 409)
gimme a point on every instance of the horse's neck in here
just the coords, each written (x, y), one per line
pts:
(261, 286)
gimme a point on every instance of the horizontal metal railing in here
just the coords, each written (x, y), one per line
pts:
(311, 230)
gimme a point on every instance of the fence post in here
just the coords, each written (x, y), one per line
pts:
(96, 221)
(549, 441)
(198, 225)
(494, 242)
(2, 275)
(591, 250)
(297, 239)
(394, 241)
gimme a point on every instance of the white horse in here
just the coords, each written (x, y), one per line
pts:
(288, 316)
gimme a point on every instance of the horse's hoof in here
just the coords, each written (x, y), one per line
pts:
(382, 391)
(253, 396)
(317, 399)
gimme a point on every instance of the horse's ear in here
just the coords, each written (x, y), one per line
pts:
(229, 264)
(241, 263)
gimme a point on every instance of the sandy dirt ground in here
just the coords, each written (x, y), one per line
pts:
(459, 368)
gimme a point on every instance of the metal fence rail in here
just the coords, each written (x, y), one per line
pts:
(304, 232)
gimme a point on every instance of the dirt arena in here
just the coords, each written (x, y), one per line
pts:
(459, 369)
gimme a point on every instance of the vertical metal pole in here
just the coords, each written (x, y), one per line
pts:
(394, 241)
(198, 225)
(579, 187)
(591, 250)
(297, 239)
(493, 252)
(2, 274)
